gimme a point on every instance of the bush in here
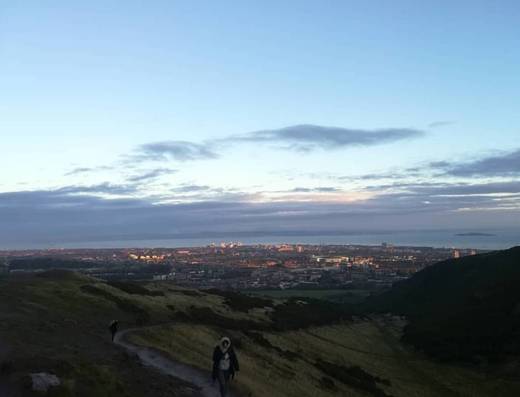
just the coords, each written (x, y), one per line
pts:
(206, 316)
(262, 341)
(134, 288)
(186, 292)
(296, 314)
(354, 376)
(241, 302)
(6, 367)
(327, 384)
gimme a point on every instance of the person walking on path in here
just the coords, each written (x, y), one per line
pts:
(225, 364)
(113, 328)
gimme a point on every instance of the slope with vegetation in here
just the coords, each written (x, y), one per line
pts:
(465, 309)
(56, 322)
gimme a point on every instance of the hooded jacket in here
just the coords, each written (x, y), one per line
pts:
(218, 354)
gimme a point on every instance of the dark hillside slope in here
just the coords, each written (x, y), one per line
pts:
(461, 309)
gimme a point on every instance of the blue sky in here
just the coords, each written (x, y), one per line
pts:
(272, 116)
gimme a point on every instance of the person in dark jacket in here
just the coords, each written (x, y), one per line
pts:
(113, 328)
(225, 364)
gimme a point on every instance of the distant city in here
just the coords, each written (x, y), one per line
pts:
(234, 265)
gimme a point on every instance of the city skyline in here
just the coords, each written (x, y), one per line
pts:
(132, 122)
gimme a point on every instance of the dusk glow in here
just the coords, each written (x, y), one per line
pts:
(137, 122)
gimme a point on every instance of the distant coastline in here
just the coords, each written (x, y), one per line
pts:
(463, 239)
(474, 234)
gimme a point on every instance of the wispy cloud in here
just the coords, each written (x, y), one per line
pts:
(308, 137)
(79, 170)
(439, 124)
(304, 137)
(433, 189)
(191, 189)
(151, 175)
(101, 188)
(505, 164)
(86, 170)
(320, 189)
(173, 150)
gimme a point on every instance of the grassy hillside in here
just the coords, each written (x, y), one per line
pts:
(363, 358)
(50, 324)
(462, 309)
(352, 296)
(57, 322)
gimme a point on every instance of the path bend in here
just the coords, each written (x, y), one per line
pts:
(168, 366)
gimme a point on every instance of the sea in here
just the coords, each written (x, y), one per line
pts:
(486, 240)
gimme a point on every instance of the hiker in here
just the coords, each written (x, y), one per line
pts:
(113, 328)
(225, 364)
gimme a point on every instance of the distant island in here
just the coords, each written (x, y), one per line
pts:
(475, 234)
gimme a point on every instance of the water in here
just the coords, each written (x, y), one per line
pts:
(494, 239)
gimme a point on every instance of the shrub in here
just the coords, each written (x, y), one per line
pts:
(206, 316)
(327, 384)
(354, 376)
(134, 288)
(262, 341)
(296, 314)
(241, 302)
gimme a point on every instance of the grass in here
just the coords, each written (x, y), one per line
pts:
(367, 351)
(461, 310)
(135, 288)
(334, 295)
(58, 323)
(354, 376)
(52, 324)
(241, 302)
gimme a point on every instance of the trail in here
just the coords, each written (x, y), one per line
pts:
(168, 366)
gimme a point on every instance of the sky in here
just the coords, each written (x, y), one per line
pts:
(130, 120)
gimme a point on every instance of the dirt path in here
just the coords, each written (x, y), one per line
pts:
(166, 365)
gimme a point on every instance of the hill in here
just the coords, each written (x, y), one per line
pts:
(56, 322)
(461, 309)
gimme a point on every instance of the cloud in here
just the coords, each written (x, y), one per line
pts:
(511, 187)
(79, 170)
(433, 189)
(150, 175)
(439, 164)
(321, 189)
(78, 214)
(506, 164)
(85, 170)
(23, 203)
(204, 193)
(173, 150)
(439, 124)
(307, 137)
(101, 188)
(391, 174)
(191, 189)
(502, 165)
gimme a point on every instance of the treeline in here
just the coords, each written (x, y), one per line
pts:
(50, 263)
(102, 269)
